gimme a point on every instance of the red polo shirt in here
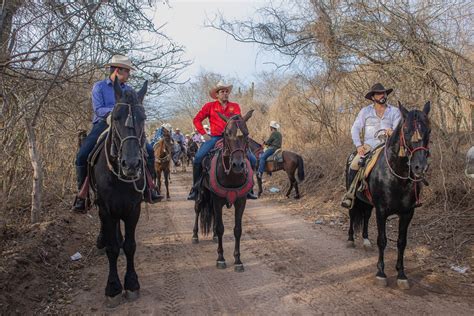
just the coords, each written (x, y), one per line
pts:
(210, 110)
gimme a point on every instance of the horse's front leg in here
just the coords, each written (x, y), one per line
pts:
(404, 222)
(113, 290)
(158, 179)
(381, 278)
(239, 211)
(260, 186)
(220, 233)
(195, 239)
(350, 239)
(132, 286)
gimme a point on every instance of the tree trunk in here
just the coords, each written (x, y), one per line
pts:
(35, 159)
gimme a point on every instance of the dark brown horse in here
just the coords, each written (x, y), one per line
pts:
(291, 162)
(163, 151)
(227, 179)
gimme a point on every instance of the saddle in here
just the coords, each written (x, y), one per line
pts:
(210, 168)
(362, 188)
(277, 156)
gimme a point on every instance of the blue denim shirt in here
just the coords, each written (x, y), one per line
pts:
(103, 98)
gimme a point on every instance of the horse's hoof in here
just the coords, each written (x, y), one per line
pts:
(221, 265)
(195, 240)
(367, 244)
(380, 281)
(350, 244)
(297, 197)
(403, 284)
(132, 295)
(239, 268)
(114, 301)
(215, 239)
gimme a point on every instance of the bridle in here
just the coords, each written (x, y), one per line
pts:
(228, 151)
(110, 141)
(404, 148)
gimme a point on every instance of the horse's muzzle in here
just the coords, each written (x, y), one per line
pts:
(131, 167)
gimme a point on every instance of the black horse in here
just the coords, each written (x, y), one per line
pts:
(192, 150)
(394, 186)
(118, 180)
(226, 182)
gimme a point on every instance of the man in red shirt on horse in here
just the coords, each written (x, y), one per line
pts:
(220, 93)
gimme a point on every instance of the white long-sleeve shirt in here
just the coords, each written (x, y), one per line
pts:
(368, 120)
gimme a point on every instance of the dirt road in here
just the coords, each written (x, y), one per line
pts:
(292, 267)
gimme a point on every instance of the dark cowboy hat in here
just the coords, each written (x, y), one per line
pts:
(377, 88)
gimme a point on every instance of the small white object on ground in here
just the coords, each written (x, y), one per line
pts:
(274, 190)
(319, 221)
(459, 269)
(76, 256)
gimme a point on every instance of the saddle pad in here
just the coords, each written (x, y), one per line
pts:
(369, 165)
(231, 194)
(277, 156)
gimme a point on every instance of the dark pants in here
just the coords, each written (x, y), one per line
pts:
(89, 143)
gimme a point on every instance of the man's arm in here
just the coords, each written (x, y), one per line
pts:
(397, 116)
(201, 116)
(98, 104)
(357, 127)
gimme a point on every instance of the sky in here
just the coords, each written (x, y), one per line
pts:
(210, 49)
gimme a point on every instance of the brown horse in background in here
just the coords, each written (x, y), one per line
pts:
(291, 162)
(163, 151)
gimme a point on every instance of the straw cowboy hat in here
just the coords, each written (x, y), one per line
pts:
(205, 126)
(177, 129)
(377, 88)
(166, 126)
(274, 124)
(219, 86)
(120, 61)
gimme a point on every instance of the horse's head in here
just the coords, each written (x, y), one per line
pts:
(127, 129)
(415, 137)
(236, 140)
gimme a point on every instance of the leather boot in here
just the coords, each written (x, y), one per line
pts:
(197, 170)
(251, 195)
(151, 195)
(80, 203)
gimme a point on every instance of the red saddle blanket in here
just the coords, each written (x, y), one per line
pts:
(231, 194)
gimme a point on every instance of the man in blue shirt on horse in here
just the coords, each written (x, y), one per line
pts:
(103, 102)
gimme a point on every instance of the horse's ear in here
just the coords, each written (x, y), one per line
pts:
(117, 89)
(248, 115)
(222, 116)
(426, 108)
(142, 92)
(402, 109)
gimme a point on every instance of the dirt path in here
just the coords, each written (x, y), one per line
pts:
(292, 267)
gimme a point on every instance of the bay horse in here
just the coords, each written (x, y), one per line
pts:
(118, 181)
(163, 151)
(227, 178)
(291, 162)
(394, 186)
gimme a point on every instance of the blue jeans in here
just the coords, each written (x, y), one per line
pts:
(263, 159)
(207, 146)
(151, 154)
(89, 142)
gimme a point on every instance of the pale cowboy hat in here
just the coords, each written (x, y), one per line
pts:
(377, 88)
(274, 124)
(166, 126)
(219, 86)
(205, 126)
(120, 61)
(177, 129)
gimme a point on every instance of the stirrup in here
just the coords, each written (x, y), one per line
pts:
(347, 203)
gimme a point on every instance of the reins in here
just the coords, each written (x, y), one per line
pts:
(114, 132)
(226, 147)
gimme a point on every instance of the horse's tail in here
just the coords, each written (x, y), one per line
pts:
(300, 168)
(207, 213)
(357, 216)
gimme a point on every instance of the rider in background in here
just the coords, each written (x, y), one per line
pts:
(221, 104)
(372, 118)
(273, 144)
(103, 102)
(179, 138)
